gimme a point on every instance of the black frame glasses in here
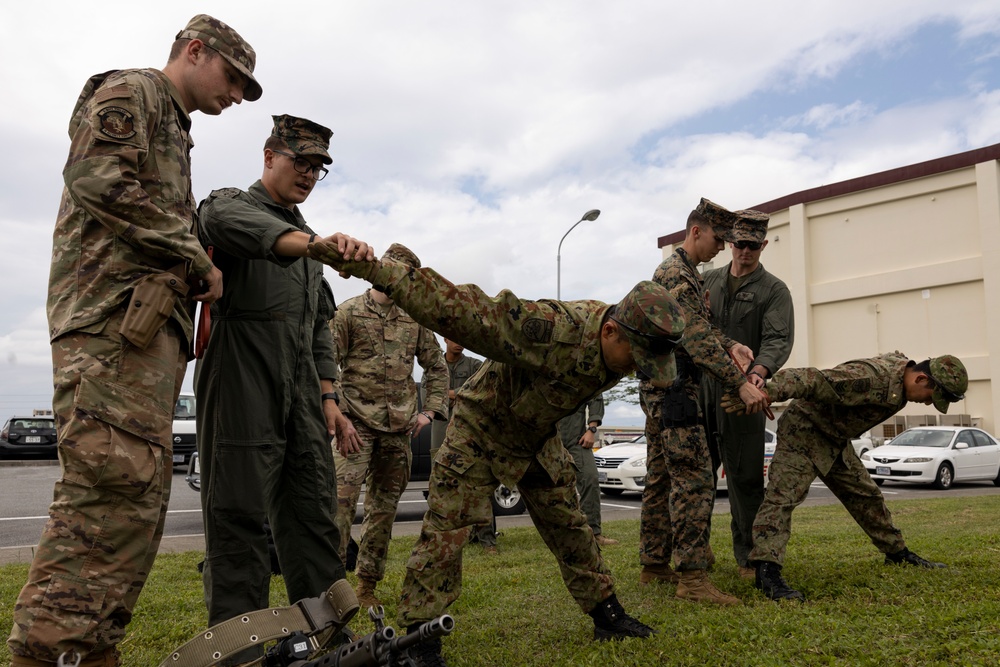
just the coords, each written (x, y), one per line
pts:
(304, 166)
(743, 245)
(658, 344)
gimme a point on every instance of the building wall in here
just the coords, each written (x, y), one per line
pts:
(912, 265)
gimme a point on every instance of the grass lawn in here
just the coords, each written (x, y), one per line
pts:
(514, 609)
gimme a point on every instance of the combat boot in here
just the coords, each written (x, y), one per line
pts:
(747, 572)
(611, 622)
(426, 653)
(657, 573)
(907, 557)
(695, 586)
(605, 541)
(773, 585)
(365, 593)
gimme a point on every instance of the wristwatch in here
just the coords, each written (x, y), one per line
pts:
(331, 396)
(592, 429)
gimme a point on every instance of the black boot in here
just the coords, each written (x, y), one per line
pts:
(427, 653)
(611, 622)
(907, 557)
(772, 584)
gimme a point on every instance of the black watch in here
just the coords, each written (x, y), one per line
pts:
(592, 429)
(331, 396)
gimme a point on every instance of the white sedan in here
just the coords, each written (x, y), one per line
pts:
(937, 455)
(621, 467)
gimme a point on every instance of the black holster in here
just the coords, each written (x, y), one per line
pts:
(679, 408)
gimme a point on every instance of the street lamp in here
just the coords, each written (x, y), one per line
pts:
(589, 215)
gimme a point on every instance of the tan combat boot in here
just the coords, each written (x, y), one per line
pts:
(695, 586)
(657, 573)
(366, 593)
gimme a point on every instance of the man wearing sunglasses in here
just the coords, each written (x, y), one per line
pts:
(266, 401)
(544, 359)
(754, 307)
(814, 440)
(680, 482)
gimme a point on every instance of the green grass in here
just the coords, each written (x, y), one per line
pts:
(514, 609)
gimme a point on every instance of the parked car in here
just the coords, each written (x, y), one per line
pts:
(862, 445)
(29, 436)
(621, 467)
(185, 432)
(938, 455)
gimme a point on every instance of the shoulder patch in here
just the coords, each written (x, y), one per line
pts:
(116, 92)
(116, 123)
(537, 330)
(226, 193)
(862, 385)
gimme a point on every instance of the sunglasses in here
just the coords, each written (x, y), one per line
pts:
(658, 345)
(743, 245)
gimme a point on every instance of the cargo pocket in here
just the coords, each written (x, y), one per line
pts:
(74, 604)
(115, 439)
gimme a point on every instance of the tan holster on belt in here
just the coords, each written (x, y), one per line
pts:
(152, 302)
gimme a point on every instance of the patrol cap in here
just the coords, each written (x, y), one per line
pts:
(720, 218)
(228, 43)
(950, 381)
(654, 325)
(398, 252)
(750, 225)
(303, 137)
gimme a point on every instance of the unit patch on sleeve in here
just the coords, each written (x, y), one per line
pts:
(537, 330)
(116, 123)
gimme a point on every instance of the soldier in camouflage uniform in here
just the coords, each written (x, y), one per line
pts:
(680, 481)
(376, 344)
(118, 307)
(577, 434)
(265, 386)
(546, 358)
(814, 440)
(754, 307)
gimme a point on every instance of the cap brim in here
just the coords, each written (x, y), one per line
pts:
(661, 369)
(940, 402)
(252, 90)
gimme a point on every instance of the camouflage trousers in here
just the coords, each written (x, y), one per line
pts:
(486, 534)
(460, 499)
(383, 466)
(114, 407)
(791, 473)
(678, 497)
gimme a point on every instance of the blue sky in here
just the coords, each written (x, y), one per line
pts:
(478, 133)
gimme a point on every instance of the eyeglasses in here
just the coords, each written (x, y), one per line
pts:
(304, 166)
(743, 245)
(657, 344)
(949, 395)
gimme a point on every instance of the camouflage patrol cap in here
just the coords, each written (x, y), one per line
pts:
(398, 252)
(303, 137)
(950, 381)
(228, 43)
(750, 225)
(721, 218)
(654, 324)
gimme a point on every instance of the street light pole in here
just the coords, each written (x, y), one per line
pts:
(589, 215)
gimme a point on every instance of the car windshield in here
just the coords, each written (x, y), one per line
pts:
(919, 437)
(184, 408)
(33, 423)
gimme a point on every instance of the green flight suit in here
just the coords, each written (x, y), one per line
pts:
(570, 429)
(262, 435)
(759, 315)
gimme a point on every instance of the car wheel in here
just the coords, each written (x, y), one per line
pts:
(507, 502)
(193, 478)
(945, 476)
(612, 492)
(879, 482)
(862, 452)
(996, 480)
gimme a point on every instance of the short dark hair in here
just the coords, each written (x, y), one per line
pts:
(695, 218)
(180, 44)
(275, 143)
(922, 366)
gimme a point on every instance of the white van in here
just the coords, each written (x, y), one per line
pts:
(185, 430)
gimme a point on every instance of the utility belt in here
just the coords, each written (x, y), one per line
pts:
(151, 304)
(679, 409)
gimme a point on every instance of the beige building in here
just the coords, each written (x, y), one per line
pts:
(906, 259)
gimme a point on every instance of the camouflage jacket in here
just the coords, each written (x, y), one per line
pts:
(840, 403)
(459, 373)
(375, 349)
(759, 314)
(703, 343)
(544, 362)
(127, 209)
(571, 428)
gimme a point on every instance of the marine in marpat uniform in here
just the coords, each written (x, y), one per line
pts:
(125, 266)
(814, 440)
(546, 358)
